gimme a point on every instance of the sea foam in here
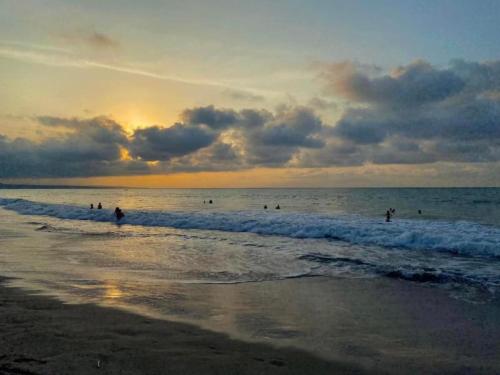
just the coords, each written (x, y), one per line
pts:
(464, 238)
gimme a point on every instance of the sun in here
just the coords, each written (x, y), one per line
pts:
(134, 116)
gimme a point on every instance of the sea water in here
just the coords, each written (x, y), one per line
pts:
(325, 273)
(442, 237)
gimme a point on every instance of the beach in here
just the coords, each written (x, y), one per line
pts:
(419, 332)
(249, 187)
(83, 295)
(39, 335)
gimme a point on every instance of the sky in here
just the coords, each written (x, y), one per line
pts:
(221, 93)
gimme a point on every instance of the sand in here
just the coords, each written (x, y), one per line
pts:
(41, 335)
(380, 326)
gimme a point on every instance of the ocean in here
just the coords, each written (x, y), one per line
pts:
(455, 239)
(174, 254)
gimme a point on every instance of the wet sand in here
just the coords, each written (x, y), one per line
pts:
(377, 326)
(40, 335)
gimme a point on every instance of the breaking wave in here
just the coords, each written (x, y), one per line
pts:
(464, 238)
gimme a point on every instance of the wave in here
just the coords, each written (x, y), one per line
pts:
(408, 272)
(464, 238)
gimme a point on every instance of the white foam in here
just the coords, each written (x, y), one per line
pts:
(464, 238)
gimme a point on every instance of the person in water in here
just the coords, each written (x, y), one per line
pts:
(99, 206)
(92, 206)
(119, 213)
(265, 207)
(210, 201)
(278, 207)
(388, 216)
(420, 212)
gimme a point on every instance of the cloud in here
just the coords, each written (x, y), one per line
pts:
(57, 57)
(100, 129)
(207, 139)
(416, 114)
(155, 143)
(411, 85)
(297, 127)
(264, 138)
(213, 118)
(91, 148)
(219, 156)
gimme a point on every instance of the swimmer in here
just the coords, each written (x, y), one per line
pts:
(119, 213)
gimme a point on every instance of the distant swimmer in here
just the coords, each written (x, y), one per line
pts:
(388, 216)
(265, 207)
(92, 206)
(99, 206)
(119, 213)
(278, 207)
(420, 212)
(204, 202)
(210, 201)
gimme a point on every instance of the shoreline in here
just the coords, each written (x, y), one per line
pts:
(62, 309)
(413, 330)
(41, 335)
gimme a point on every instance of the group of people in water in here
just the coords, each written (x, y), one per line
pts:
(391, 212)
(265, 206)
(276, 208)
(99, 206)
(118, 212)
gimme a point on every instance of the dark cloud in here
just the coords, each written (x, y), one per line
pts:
(219, 156)
(100, 129)
(263, 137)
(266, 139)
(335, 153)
(274, 141)
(91, 148)
(279, 137)
(155, 143)
(213, 118)
(251, 118)
(296, 128)
(412, 85)
(440, 114)
(369, 131)
(417, 114)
